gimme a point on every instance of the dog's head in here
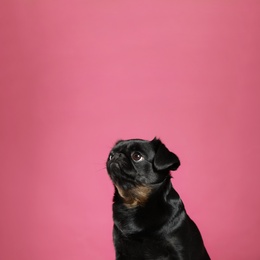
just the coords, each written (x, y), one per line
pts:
(135, 165)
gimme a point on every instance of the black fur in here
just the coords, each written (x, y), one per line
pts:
(150, 221)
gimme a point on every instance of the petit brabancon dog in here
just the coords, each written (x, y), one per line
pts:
(150, 221)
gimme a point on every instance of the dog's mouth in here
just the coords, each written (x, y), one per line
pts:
(113, 166)
(117, 168)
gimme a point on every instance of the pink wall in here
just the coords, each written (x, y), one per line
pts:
(78, 75)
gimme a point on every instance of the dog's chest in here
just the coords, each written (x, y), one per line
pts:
(142, 246)
(141, 219)
(125, 221)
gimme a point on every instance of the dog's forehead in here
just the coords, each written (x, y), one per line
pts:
(133, 145)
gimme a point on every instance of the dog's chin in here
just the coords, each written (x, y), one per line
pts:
(121, 173)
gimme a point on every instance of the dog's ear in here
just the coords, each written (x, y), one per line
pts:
(164, 159)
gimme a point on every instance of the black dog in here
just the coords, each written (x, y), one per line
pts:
(150, 221)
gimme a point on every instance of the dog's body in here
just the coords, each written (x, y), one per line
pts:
(150, 221)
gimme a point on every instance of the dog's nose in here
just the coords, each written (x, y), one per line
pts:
(117, 155)
(114, 156)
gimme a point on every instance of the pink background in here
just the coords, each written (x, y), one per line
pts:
(76, 76)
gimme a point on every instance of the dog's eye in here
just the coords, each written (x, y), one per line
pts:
(136, 156)
(110, 156)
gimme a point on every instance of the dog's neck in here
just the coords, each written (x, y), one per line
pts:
(139, 194)
(134, 197)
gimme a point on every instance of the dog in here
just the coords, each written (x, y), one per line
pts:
(150, 221)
